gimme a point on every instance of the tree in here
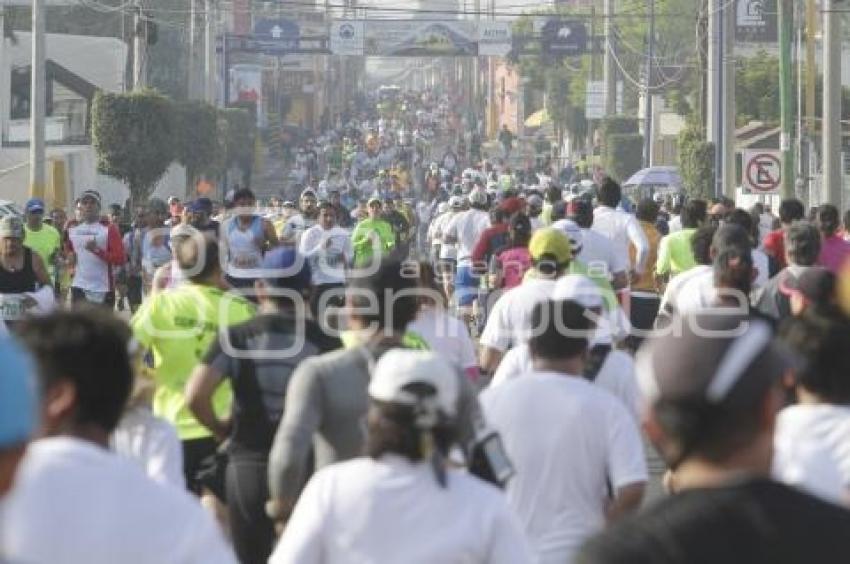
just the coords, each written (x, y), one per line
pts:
(757, 90)
(237, 135)
(696, 162)
(196, 138)
(133, 138)
(624, 156)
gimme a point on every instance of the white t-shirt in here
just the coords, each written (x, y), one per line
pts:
(762, 265)
(673, 292)
(91, 272)
(77, 503)
(617, 375)
(152, 443)
(446, 335)
(621, 229)
(801, 426)
(327, 251)
(467, 227)
(597, 251)
(565, 438)
(509, 322)
(675, 223)
(698, 293)
(391, 510)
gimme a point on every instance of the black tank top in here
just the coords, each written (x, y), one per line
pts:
(19, 281)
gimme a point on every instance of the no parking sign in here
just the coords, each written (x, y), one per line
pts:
(762, 171)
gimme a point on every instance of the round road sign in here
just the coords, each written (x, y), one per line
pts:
(763, 172)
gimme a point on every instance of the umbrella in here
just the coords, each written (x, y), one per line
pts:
(538, 118)
(656, 176)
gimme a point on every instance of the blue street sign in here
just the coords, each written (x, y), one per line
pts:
(564, 37)
(276, 30)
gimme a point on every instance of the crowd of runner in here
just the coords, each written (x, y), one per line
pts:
(410, 358)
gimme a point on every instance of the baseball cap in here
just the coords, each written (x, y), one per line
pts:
(293, 265)
(202, 205)
(399, 371)
(91, 194)
(578, 288)
(456, 202)
(11, 226)
(511, 205)
(552, 242)
(34, 205)
(308, 192)
(374, 200)
(18, 395)
(815, 283)
(572, 230)
(714, 366)
(478, 197)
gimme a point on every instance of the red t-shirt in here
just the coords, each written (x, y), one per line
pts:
(774, 245)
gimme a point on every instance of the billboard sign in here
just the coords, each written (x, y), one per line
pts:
(494, 38)
(347, 37)
(416, 38)
(564, 37)
(757, 21)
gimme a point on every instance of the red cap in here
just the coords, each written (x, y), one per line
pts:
(512, 205)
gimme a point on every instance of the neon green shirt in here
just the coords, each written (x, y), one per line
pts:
(351, 339)
(178, 326)
(675, 254)
(362, 239)
(45, 243)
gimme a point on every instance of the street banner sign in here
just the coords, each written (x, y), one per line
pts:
(757, 21)
(347, 37)
(421, 38)
(278, 31)
(564, 37)
(762, 171)
(594, 107)
(494, 39)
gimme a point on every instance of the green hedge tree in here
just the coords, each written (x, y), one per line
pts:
(696, 162)
(624, 156)
(133, 139)
(196, 139)
(237, 137)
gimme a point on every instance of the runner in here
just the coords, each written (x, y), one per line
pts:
(42, 238)
(327, 394)
(93, 505)
(259, 362)
(22, 274)
(245, 237)
(712, 408)
(94, 249)
(568, 439)
(835, 251)
(790, 210)
(674, 253)
(464, 230)
(373, 237)
(327, 248)
(177, 327)
(411, 424)
(802, 246)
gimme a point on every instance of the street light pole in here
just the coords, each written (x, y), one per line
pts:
(650, 62)
(37, 101)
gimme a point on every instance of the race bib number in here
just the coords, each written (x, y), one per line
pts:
(11, 308)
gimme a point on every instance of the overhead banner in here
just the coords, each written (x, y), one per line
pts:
(419, 38)
(494, 38)
(757, 21)
(347, 37)
(412, 38)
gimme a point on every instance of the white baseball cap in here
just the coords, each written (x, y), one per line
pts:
(455, 202)
(580, 289)
(478, 197)
(398, 369)
(573, 231)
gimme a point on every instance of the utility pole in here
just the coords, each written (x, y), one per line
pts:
(610, 71)
(786, 97)
(209, 50)
(727, 142)
(140, 49)
(811, 80)
(192, 85)
(650, 64)
(716, 121)
(37, 101)
(832, 178)
(4, 79)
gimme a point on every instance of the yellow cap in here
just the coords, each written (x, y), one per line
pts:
(552, 242)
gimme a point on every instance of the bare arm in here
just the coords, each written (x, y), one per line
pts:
(40, 271)
(270, 235)
(627, 500)
(200, 388)
(490, 359)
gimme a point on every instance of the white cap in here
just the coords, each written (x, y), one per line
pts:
(478, 197)
(455, 202)
(580, 289)
(573, 231)
(442, 207)
(400, 368)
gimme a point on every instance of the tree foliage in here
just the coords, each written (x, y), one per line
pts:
(624, 156)
(757, 89)
(133, 138)
(696, 162)
(196, 139)
(237, 135)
